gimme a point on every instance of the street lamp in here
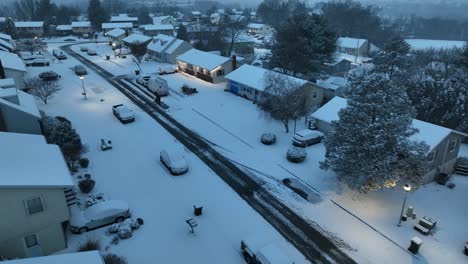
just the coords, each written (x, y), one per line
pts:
(407, 188)
(84, 90)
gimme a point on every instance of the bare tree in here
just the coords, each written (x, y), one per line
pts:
(284, 98)
(138, 50)
(44, 90)
(232, 28)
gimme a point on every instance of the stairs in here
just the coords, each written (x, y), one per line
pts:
(70, 196)
(462, 166)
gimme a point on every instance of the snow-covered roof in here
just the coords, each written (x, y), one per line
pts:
(42, 164)
(123, 18)
(161, 42)
(5, 37)
(81, 24)
(202, 59)
(88, 257)
(333, 82)
(423, 44)
(63, 27)
(21, 24)
(12, 61)
(19, 100)
(158, 27)
(6, 44)
(116, 32)
(196, 13)
(116, 25)
(351, 43)
(159, 19)
(429, 133)
(7, 83)
(254, 77)
(255, 25)
(137, 38)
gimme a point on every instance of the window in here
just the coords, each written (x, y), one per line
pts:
(31, 241)
(314, 94)
(34, 205)
(220, 72)
(432, 156)
(453, 145)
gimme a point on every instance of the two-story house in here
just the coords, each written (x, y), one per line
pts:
(30, 28)
(165, 48)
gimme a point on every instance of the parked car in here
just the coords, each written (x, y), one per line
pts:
(69, 39)
(143, 80)
(37, 62)
(80, 70)
(123, 113)
(167, 70)
(91, 52)
(122, 51)
(256, 252)
(158, 86)
(49, 76)
(84, 48)
(307, 137)
(59, 54)
(98, 215)
(174, 162)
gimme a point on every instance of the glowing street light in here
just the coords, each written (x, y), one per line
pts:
(84, 90)
(407, 189)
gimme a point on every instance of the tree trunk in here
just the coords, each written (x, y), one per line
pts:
(286, 125)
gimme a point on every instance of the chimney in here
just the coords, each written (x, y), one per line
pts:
(234, 62)
(2, 71)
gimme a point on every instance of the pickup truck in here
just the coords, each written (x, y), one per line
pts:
(123, 113)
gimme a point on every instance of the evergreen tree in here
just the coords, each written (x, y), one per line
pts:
(143, 16)
(302, 44)
(68, 140)
(97, 14)
(393, 59)
(8, 27)
(369, 146)
(464, 57)
(182, 33)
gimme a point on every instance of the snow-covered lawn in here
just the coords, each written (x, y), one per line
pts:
(131, 171)
(235, 125)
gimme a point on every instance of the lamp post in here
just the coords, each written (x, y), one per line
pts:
(32, 45)
(84, 90)
(407, 188)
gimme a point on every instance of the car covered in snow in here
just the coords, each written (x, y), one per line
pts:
(255, 251)
(98, 215)
(123, 113)
(80, 70)
(37, 62)
(91, 52)
(122, 51)
(158, 86)
(307, 137)
(84, 48)
(167, 70)
(59, 54)
(143, 80)
(174, 162)
(49, 76)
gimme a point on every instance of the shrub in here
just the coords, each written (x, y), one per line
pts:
(451, 185)
(296, 155)
(87, 176)
(114, 259)
(140, 221)
(90, 245)
(115, 240)
(125, 232)
(268, 138)
(86, 185)
(114, 228)
(84, 162)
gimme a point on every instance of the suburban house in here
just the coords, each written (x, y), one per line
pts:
(30, 28)
(153, 30)
(339, 66)
(81, 27)
(33, 194)
(195, 15)
(165, 20)
(165, 48)
(124, 18)
(115, 37)
(332, 86)
(357, 47)
(13, 67)
(88, 257)
(136, 39)
(106, 27)
(6, 43)
(19, 112)
(63, 30)
(204, 65)
(260, 29)
(444, 143)
(251, 82)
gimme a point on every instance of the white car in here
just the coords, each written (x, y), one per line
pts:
(91, 52)
(122, 51)
(143, 80)
(174, 162)
(83, 48)
(167, 70)
(307, 137)
(37, 62)
(123, 113)
(97, 215)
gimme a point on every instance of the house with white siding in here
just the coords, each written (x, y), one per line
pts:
(63, 30)
(115, 36)
(153, 30)
(13, 67)
(165, 20)
(165, 48)
(260, 29)
(444, 143)
(124, 18)
(356, 46)
(106, 27)
(81, 27)
(33, 193)
(204, 65)
(19, 112)
(30, 28)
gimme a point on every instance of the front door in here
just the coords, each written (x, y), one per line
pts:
(33, 247)
(234, 87)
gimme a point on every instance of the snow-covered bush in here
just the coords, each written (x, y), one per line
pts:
(87, 176)
(140, 221)
(114, 240)
(114, 228)
(94, 198)
(114, 259)
(125, 231)
(296, 155)
(90, 245)
(268, 138)
(86, 185)
(84, 163)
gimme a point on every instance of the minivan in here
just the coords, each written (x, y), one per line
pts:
(158, 86)
(307, 137)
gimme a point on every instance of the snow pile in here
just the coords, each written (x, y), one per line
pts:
(296, 155)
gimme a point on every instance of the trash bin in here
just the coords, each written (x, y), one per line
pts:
(137, 72)
(197, 210)
(409, 211)
(416, 243)
(107, 57)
